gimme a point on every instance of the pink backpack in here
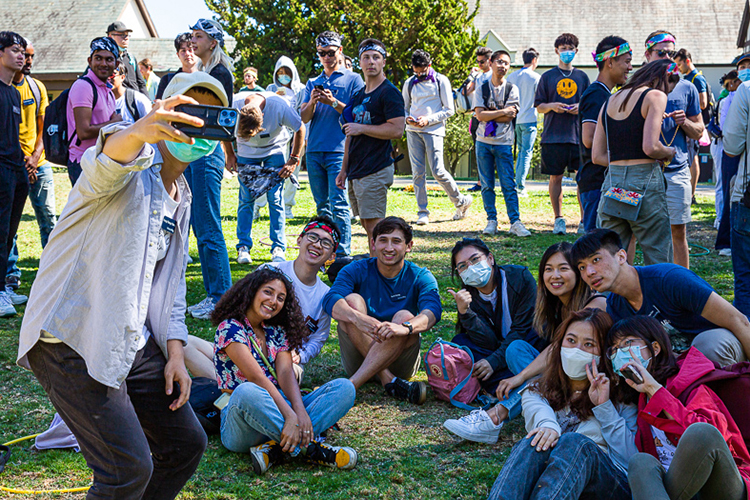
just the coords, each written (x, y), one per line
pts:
(448, 368)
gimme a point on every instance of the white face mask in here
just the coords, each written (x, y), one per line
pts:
(574, 362)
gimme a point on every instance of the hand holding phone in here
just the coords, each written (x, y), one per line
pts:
(219, 123)
(631, 374)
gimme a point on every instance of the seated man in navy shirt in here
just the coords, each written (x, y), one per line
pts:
(382, 305)
(688, 308)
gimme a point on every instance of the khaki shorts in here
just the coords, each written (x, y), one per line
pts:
(405, 367)
(679, 196)
(371, 193)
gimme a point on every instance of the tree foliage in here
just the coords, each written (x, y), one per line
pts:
(265, 30)
(458, 140)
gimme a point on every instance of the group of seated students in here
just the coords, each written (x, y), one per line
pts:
(586, 355)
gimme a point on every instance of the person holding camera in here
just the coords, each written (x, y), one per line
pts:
(106, 343)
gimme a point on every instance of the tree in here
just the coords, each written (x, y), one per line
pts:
(266, 30)
(458, 141)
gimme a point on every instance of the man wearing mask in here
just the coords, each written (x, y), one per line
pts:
(557, 97)
(120, 33)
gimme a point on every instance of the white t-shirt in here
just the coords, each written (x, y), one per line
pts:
(503, 130)
(141, 103)
(310, 300)
(491, 297)
(278, 118)
(664, 447)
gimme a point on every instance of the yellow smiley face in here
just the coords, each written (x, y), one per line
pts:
(566, 88)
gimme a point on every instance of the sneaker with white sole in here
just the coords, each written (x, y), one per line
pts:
(265, 455)
(288, 214)
(490, 228)
(581, 228)
(522, 193)
(6, 306)
(423, 220)
(463, 208)
(205, 311)
(243, 256)
(725, 252)
(477, 426)
(518, 229)
(278, 255)
(413, 392)
(199, 305)
(15, 298)
(339, 457)
(559, 226)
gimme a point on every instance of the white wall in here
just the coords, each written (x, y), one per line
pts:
(133, 19)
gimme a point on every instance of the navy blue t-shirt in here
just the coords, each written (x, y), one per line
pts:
(566, 87)
(673, 295)
(698, 80)
(590, 176)
(684, 97)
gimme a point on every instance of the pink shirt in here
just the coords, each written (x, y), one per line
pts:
(81, 96)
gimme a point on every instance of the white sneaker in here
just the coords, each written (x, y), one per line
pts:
(581, 228)
(288, 212)
(423, 220)
(190, 259)
(518, 229)
(243, 256)
(6, 306)
(476, 426)
(491, 227)
(204, 312)
(199, 305)
(15, 298)
(725, 252)
(463, 208)
(522, 193)
(278, 255)
(559, 226)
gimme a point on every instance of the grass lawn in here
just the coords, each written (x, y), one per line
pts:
(404, 450)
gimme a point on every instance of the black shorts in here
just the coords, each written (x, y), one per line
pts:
(556, 157)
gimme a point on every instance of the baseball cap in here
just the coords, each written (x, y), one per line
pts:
(117, 26)
(740, 58)
(182, 82)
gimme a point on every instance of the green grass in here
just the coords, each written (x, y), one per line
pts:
(404, 451)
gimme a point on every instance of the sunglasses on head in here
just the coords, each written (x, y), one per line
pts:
(328, 53)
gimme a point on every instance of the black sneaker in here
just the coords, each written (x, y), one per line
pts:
(340, 457)
(13, 282)
(413, 392)
(266, 455)
(693, 202)
(474, 188)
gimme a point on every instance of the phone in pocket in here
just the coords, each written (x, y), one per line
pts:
(222, 401)
(219, 123)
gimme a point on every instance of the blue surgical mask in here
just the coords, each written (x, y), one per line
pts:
(477, 275)
(284, 79)
(567, 56)
(622, 356)
(188, 153)
(744, 74)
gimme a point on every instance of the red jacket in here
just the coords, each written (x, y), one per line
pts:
(703, 405)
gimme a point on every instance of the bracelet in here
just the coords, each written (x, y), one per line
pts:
(294, 156)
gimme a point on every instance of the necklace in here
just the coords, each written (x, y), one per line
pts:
(563, 73)
(677, 129)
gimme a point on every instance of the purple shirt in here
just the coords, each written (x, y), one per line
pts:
(81, 96)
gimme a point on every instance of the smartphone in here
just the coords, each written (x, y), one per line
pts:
(629, 373)
(222, 401)
(319, 87)
(219, 124)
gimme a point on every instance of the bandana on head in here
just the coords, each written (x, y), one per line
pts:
(660, 38)
(105, 43)
(372, 46)
(673, 69)
(325, 227)
(329, 41)
(614, 52)
(211, 28)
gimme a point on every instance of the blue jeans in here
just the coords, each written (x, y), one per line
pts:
(74, 171)
(42, 197)
(590, 204)
(251, 417)
(740, 218)
(275, 197)
(500, 158)
(729, 166)
(204, 177)
(525, 139)
(574, 468)
(322, 169)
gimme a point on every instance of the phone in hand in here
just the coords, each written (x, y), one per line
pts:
(631, 374)
(319, 87)
(219, 123)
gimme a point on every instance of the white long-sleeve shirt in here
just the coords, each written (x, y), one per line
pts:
(428, 99)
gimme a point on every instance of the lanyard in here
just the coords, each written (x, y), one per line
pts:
(263, 357)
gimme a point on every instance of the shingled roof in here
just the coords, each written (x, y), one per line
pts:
(707, 28)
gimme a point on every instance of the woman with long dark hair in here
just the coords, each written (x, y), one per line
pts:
(579, 440)
(259, 324)
(692, 449)
(627, 139)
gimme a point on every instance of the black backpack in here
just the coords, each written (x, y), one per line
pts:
(203, 393)
(130, 104)
(506, 94)
(55, 133)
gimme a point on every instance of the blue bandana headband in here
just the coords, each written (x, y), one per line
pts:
(372, 46)
(211, 30)
(105, 43)
(328, 41)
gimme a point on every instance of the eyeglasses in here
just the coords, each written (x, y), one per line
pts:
(463, 266)
(324, 242)
(121, 35)
(667, 53)
(326, 53)
(481, 61)
(625, 347)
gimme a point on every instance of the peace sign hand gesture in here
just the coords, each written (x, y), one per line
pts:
(599, 389)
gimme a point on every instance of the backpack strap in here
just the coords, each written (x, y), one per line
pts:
(93, 105)
(131, 105)
(486, 93)
(36, 93)
(439, 342)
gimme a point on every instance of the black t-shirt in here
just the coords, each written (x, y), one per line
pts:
(164, 82)
(590, 175)
(566, 87)
(368, 155)
(11, 155)
(222, 74)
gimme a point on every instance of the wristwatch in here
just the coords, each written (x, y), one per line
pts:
(408, 325)
(335, 103)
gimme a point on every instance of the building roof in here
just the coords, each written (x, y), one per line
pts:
(707, 29)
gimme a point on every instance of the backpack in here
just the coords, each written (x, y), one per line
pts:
(448, 367)
(461, 101)
(55, 133)
(506, 94)
(711, 108)
(130, 104)
(203, 392)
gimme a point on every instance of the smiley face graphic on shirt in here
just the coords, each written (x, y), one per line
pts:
(566, 88)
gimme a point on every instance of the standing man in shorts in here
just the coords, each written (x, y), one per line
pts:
(557, 97)
(373, 118)
(683, 121)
